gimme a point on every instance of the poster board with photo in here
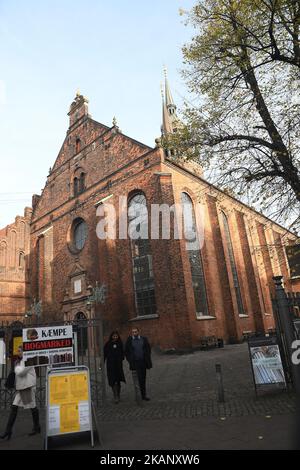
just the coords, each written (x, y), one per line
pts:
(49, 345)
(266, 362)
(68, 402)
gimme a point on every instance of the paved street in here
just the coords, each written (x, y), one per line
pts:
(184, 412)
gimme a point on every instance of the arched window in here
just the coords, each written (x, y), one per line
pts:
(194, 255)
(233, 265)
(3, 254)
(12, 248)
(76, 186)
(22, 231)
(77, 145)
(80, 233)
(82, 182)
(79, 184)
(39, 266)
(21, 260)
(143, 278)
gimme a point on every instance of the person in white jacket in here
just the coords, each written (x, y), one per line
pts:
(25, 396)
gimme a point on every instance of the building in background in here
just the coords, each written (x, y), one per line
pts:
(14, 268)
(175, 292)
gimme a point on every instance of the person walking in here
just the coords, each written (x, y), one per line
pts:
(114, 356)
(138, 355)
(25, 385)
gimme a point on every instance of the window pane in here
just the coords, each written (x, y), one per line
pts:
(195, 259)
(75, 186)
(80, 235)
(233, 265)
(142, 259)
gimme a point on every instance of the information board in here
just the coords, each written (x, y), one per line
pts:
(17, 342)
(68, 402)
(48, 345)
(266, 361)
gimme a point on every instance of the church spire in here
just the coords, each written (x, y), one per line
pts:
(169, 98)
(170, 119)
(166, 127)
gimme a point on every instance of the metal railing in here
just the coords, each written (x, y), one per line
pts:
(87, 352)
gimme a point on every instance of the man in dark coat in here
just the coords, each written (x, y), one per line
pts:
(138, 355)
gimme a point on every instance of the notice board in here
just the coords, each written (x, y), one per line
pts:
(265, 357)
(68, 402)
(48, 345)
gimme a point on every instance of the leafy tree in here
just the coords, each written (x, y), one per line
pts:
(243, 66)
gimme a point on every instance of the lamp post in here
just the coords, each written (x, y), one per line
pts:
(28, 314)
(35, 310)
(97, 297)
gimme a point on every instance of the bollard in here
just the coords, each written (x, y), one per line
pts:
(221, 397)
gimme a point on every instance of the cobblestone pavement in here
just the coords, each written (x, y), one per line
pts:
(186, 387)
(184, 412)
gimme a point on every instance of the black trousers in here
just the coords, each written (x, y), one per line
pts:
(141, 373)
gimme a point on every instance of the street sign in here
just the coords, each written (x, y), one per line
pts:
(68, 402)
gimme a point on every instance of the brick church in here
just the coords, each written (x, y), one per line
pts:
(174, 292)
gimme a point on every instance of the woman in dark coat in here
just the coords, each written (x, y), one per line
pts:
(114, 356)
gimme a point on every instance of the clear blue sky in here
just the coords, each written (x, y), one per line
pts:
(113, 51)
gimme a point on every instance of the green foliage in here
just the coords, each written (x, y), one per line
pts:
(243, 66)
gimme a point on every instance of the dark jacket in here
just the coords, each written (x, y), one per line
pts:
(114, 356)
(146, 350)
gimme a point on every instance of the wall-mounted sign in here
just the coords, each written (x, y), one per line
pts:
(77, 286)
(48, 345)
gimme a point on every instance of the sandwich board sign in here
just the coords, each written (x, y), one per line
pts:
(265, 357)
(68, 402)
(48, 345)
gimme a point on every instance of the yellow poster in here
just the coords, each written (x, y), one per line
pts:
(59, 389)
(79, 387)
(17, 342)
(69, 418)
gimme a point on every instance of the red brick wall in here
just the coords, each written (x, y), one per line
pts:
(14, 273)
(117, 165)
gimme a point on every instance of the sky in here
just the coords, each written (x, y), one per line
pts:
(112, 51)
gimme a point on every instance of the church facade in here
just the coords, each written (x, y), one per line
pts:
(174, 290)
